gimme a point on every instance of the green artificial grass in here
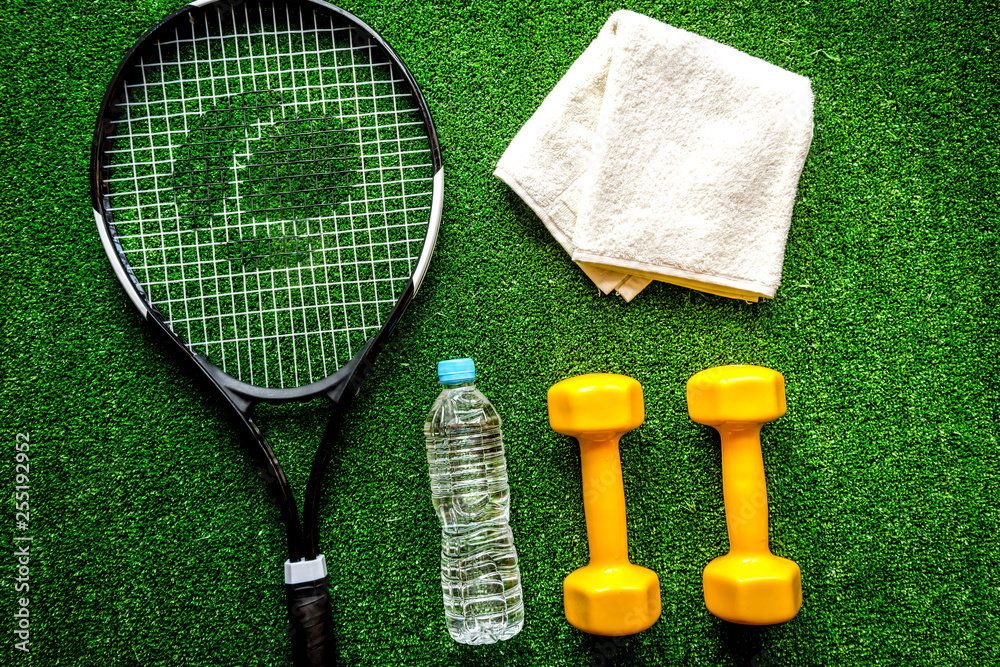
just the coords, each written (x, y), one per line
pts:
(152, 541)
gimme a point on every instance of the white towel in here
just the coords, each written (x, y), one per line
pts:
(664, 155)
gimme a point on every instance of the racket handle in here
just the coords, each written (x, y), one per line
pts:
(310, 614)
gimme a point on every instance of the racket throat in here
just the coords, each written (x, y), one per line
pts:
(344, 383)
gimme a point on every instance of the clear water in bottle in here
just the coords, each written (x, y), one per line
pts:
(480, 577)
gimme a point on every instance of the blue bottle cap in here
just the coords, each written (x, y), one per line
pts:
(455, 371)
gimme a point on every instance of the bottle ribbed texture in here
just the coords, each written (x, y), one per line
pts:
(480, 578)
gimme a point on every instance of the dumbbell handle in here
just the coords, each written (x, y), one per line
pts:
(744, 488)
(603, 498)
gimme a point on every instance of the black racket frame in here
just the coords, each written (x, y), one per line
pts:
(239, 398)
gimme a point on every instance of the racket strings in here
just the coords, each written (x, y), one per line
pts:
(270, 183)
(299, 165)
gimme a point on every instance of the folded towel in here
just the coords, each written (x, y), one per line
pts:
(662, 155)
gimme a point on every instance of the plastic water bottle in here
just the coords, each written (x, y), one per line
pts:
(480, 577)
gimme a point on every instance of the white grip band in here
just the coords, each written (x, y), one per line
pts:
(305, 570)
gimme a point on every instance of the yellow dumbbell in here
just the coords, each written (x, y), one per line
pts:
(749, 585)
(610, 596)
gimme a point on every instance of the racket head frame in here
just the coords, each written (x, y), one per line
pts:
(239, 398)
(241, 395)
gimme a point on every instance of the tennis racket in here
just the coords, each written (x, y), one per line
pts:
(267, 184)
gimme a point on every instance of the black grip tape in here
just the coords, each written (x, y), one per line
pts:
(311, 623)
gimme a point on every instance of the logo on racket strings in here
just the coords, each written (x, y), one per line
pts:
(256, 158)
